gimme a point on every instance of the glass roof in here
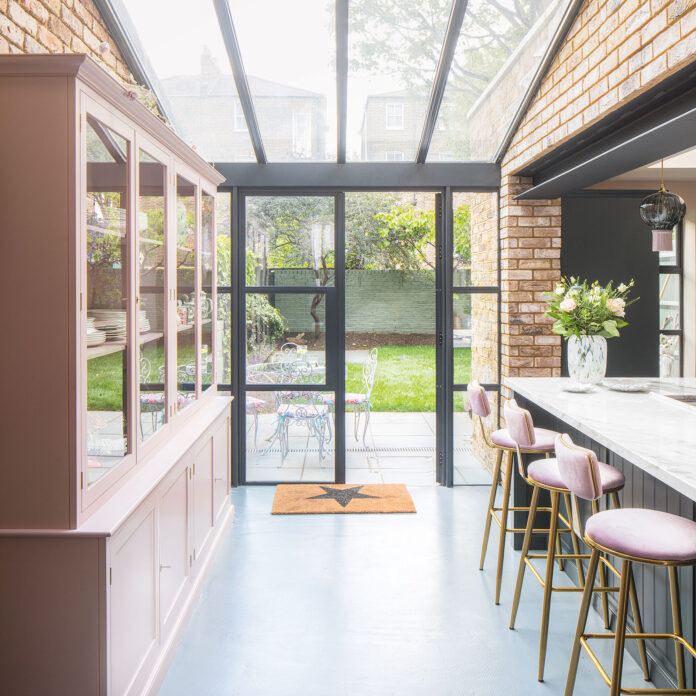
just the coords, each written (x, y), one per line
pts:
(189, 58)
(289, 56)
(499, 49)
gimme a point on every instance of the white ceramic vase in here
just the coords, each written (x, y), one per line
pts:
(587, 359)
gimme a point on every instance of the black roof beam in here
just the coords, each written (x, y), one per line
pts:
(437, 91)
(229, 36)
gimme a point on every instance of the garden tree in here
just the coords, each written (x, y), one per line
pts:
(383, 232)
(404, 37)
(293, 232)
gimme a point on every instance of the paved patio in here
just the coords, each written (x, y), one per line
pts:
(398, 448)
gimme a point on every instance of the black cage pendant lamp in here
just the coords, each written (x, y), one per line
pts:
(661, 211)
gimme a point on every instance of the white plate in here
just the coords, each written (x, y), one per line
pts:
(625, 385)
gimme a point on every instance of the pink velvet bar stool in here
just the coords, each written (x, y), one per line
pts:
(634, 535)
(502, 442)
(544, 475)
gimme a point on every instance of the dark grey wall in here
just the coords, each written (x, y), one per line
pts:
(605, 239)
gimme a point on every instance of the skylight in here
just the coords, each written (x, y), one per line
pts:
(289, 93)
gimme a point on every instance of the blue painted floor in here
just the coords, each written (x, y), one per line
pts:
(366, 605)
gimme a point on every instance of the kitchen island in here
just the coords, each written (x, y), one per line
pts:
(651, 437)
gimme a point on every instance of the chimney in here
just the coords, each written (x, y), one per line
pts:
(209, 70)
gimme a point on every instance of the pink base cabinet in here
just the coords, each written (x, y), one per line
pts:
(98, 611)
(114, 476)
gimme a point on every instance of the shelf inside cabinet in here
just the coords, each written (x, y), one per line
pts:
(149, 336)
(105, 349)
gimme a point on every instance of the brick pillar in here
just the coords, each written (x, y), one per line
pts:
(530, 239)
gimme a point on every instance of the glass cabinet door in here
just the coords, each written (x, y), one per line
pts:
(152, 295)
(107, 250)
(186, 370)
(207, 279)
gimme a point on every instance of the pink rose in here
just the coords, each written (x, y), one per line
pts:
(617, 306)
(568, 305)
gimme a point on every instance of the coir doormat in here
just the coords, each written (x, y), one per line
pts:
(330, 498)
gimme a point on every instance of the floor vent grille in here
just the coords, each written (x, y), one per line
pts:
(372, 451)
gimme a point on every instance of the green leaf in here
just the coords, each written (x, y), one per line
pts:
(610, 327)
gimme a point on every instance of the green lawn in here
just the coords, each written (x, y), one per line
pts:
(405, 379)
(105, 376)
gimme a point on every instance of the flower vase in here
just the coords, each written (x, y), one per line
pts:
(587, 359)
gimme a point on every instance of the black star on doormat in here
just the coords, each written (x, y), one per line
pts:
(342, 496)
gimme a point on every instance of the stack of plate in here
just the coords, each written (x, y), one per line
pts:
(94, 335)
(143, 321)
(114, 322)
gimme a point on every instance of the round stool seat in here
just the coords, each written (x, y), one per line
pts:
(648, 534)
(543, 439)
(545, 472)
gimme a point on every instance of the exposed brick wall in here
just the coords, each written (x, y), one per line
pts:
(614, 51)
(58, 26)
(530, 265)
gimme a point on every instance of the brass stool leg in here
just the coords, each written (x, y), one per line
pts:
(615, 500)
(525, 551)
(635, 608)
(676, 624)
(548, 582)
(573, 536)
(602, 579)
(620, 639)
(582, 621)
(491, 504)
(503, 525)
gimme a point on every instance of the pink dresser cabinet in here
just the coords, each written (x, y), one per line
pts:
(114, 479)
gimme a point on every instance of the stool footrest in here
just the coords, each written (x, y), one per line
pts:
(636, 636)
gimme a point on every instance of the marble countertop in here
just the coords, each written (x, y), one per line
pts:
(650, 429)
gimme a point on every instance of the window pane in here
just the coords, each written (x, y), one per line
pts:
(289, 436)
(185, 291)
(184, 45)
(290, 240)
(475, 252)
(669, 258)
(207, 280)
(669, 301)
(499, 49)
(289, 55)
(224, 338)
(152, 307)
(393, 51)
(286, 338)
(670, 349)
(107, 253)
(475, 337)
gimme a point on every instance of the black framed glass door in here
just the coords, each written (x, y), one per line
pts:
(290, 368)
(296, 319)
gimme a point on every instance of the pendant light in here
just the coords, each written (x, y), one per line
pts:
(661, 211)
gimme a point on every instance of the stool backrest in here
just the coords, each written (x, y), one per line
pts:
(519, 424)
(578, 468)
(478, 399)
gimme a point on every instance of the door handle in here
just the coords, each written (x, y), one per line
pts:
(164, 566)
